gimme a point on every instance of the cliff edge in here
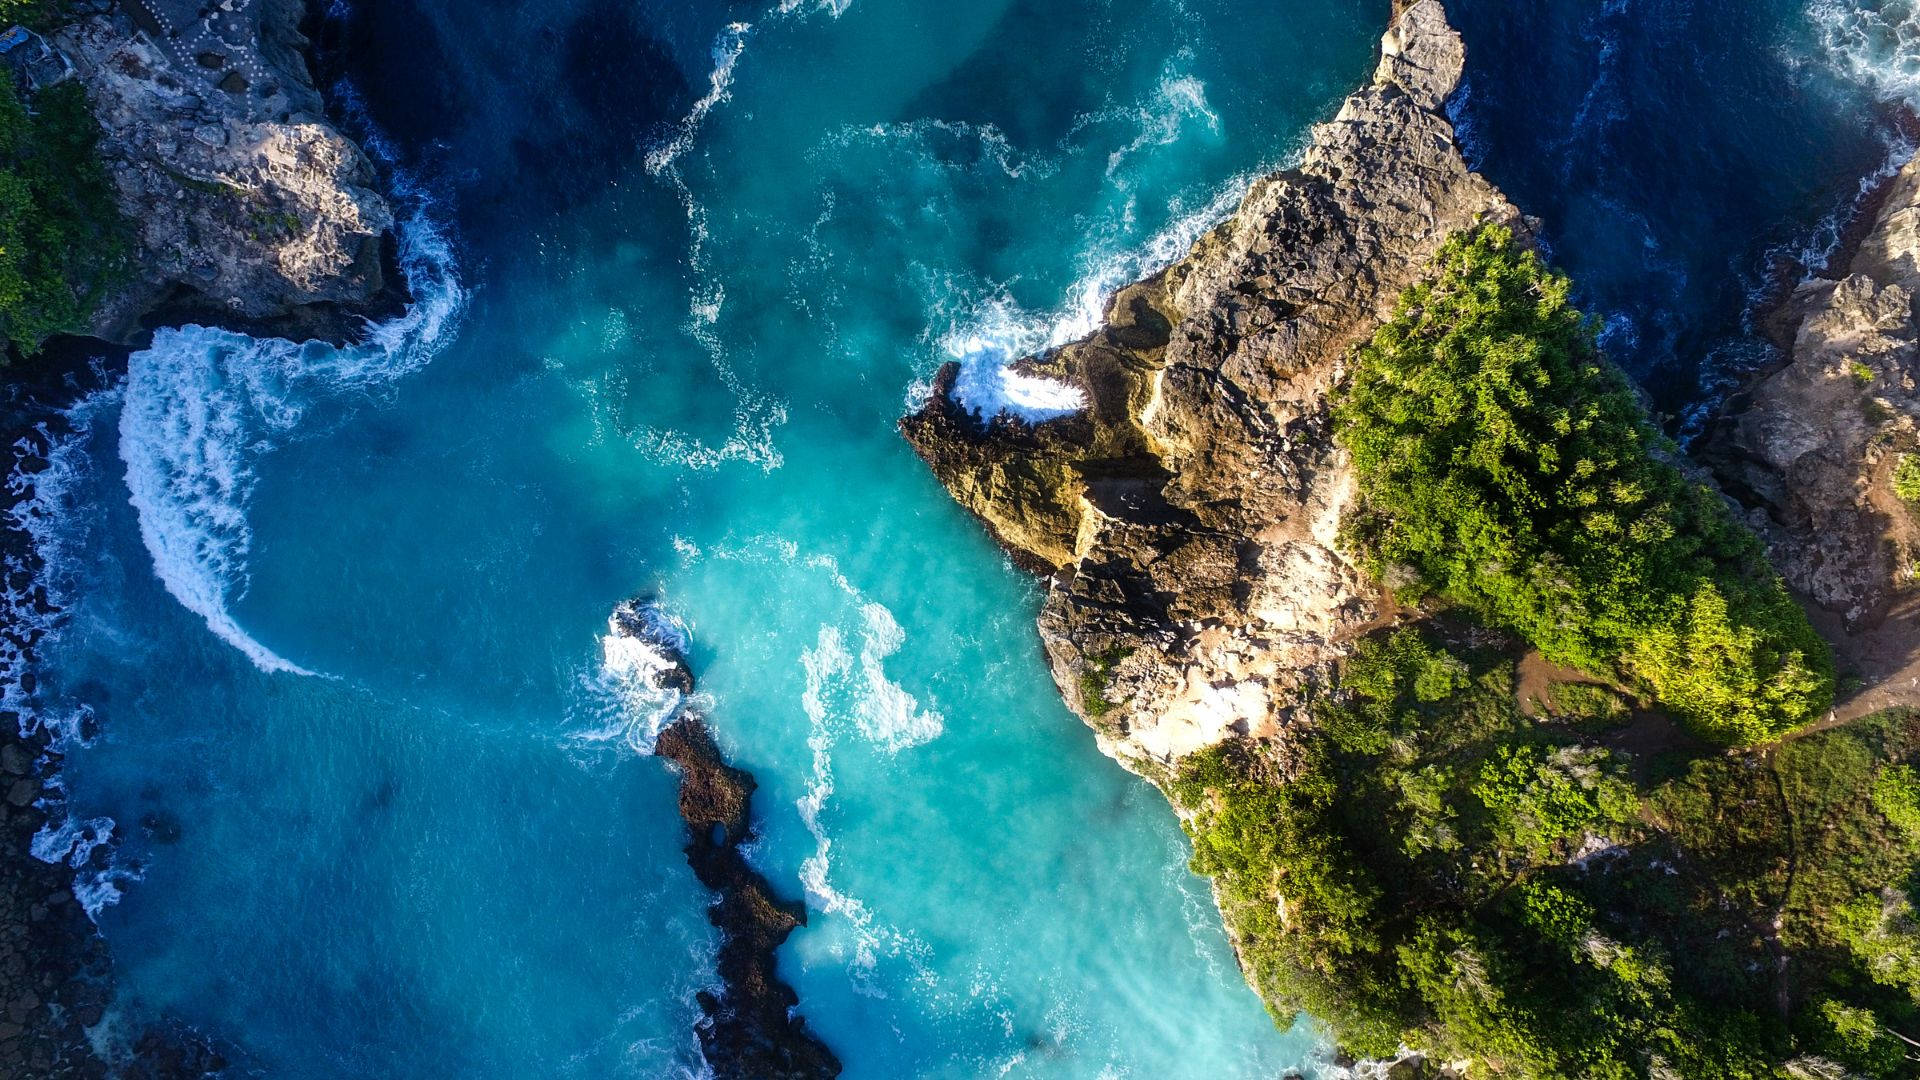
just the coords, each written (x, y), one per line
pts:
(1188, 516)
(249, 208)
(1825, 452)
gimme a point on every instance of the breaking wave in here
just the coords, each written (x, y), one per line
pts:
(1874, 42)
(985, 335)
(634, 657)
(202, 406)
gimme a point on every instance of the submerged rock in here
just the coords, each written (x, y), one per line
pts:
(751, 1029)
(1188, 516)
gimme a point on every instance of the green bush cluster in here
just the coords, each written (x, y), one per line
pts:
(62, 238)
(1505, 467)
(1906, 477)
(1430, 867)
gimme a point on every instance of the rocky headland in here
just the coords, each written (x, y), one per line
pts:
(249, 207)
(1373, 803)
(752, 1029)
(1815, 449)
(1187, 519)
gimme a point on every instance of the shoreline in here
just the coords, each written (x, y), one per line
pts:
(56, 969)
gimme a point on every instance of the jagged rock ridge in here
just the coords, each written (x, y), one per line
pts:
(751, 1028)
(1189, 516)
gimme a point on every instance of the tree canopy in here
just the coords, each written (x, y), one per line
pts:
(1506, 467)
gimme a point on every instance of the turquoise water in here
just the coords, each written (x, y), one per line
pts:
(333, 671)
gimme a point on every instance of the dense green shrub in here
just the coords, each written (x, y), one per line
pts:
(62, 239)
(1506, 467)
(1428, 866)
(1906, 477)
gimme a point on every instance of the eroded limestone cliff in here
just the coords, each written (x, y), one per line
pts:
(248, 206)
(1188, 516)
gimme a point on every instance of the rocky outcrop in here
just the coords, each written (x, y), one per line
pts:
(751, 1029)
(248, 207)
(1813, 449)
(1188, 517)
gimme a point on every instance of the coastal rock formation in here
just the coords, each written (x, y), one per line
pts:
(751, 1030)
(1814, 450)
(1189, 516)
(249, 207)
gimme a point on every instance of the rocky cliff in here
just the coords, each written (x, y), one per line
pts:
(1188, 517)
(249, 208)
(1814, 449)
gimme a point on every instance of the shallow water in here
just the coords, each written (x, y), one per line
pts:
(334, 647)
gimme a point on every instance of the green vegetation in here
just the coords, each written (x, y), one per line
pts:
(1506, 468)
(1861, 373)
(1906, 477)
(1095, 677)
(1589, 704)
(62, 239)
(1430, 867)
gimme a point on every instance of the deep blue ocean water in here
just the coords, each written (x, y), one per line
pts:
(333, 672)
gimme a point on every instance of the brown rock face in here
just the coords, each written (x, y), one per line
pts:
(751, 1029)
(1189, 514)
(248, 205)
(1813, 447)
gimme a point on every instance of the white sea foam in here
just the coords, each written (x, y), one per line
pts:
(989, 333)
(937, 142)
(631, 666)
(755, 415)
(1876, 42)
(202, 406)
(1178, 100)
(888, 716)
(68, 841)
(829, 669)
(37, 585)
(727, 49)
(846, 698)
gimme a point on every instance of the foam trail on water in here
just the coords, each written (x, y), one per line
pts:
(845, 695)
(888, 716)
(1177, 100)
(201, 406)
(829, 666)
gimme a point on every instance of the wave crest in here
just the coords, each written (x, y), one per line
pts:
(202, 405)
